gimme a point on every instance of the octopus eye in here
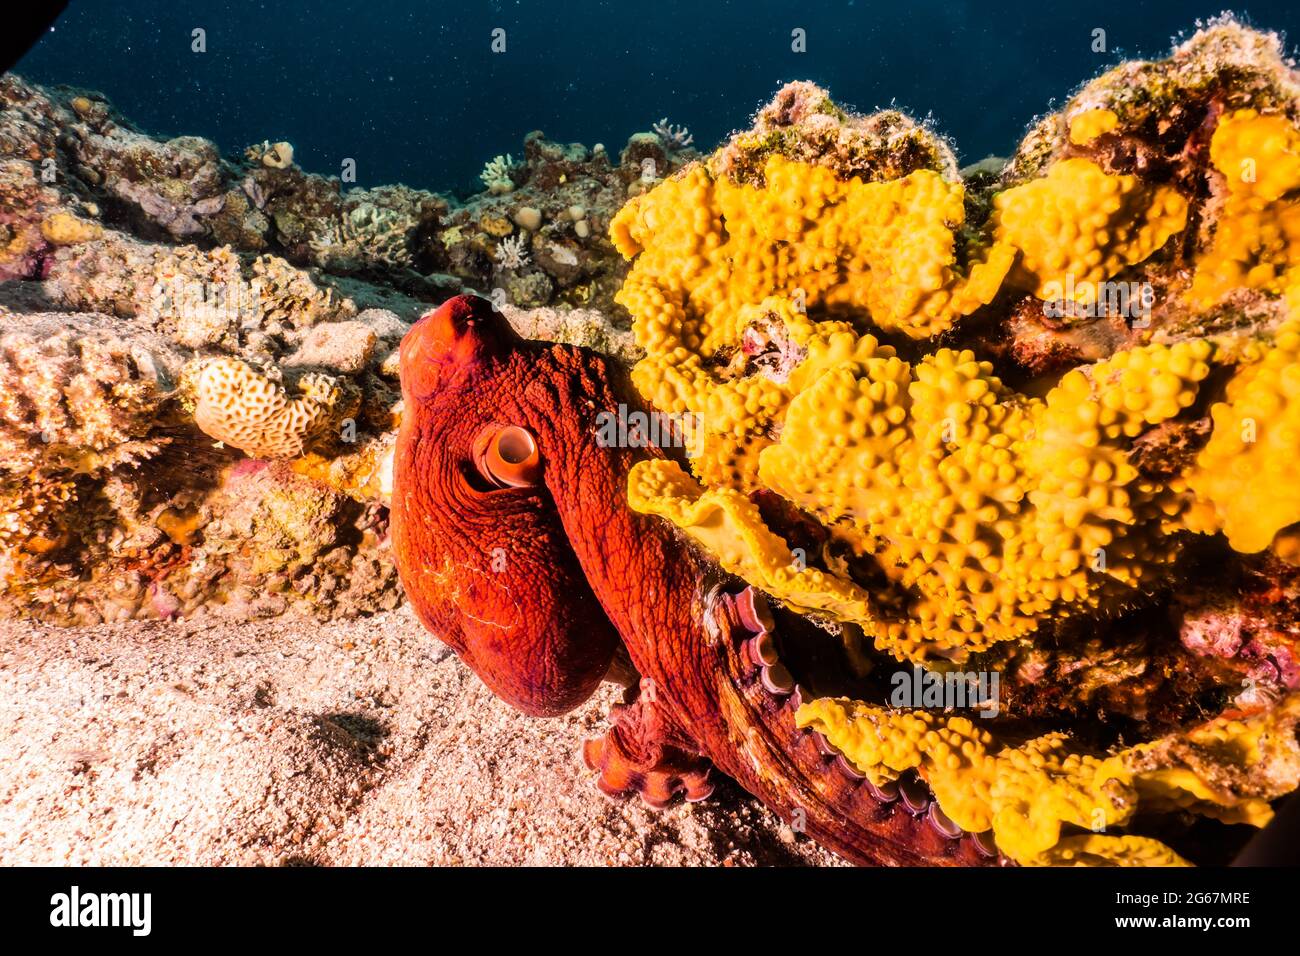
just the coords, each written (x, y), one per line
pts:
(510, 458)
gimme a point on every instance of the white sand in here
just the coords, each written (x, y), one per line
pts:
(364, 742)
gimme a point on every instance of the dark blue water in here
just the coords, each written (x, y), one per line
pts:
(411, 90)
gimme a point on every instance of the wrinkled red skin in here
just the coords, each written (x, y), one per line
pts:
(535, 587)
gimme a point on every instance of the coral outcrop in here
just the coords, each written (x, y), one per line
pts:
(1030, 794)
(958, 513)
(236, 405)
(960, 419)
(988, 510)
(72, 147)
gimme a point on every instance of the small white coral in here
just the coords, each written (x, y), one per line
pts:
(674, 137)
(243, 408)
(496, 175)
(272, 155)
(512, 253)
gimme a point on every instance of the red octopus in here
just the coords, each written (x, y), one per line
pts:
(517, 548)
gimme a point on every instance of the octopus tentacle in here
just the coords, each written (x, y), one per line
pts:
(641, 754)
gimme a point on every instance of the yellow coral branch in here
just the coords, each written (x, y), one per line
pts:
(1030, 796)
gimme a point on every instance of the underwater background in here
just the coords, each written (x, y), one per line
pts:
(412, 90)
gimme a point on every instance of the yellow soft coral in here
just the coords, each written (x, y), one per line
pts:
(1078, 226)
(976, 513)
(729, 526)
(1256, 241)
(1245, 476)
(1031, 796)
(706, 247)
(1088, 125)
(986, 509)
(1258, 155)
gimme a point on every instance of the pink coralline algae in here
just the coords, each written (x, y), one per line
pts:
(1233, 635)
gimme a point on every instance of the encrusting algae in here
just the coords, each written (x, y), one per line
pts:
(982, 512)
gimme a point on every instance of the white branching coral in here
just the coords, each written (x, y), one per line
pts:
(366, 234)
(674, 137)
(496, 175)
(512, 253)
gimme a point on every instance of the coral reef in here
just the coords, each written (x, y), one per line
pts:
(988, 507)
(117, 507)
(1033, 418)
(199, 349)
(1027, 794)
(537, 592)
(1242, 476)
(273, 155)
(364, 234)
(804, 125)
(69, 148)
(539, 232)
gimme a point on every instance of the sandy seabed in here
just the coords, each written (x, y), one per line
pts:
(363, 742)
